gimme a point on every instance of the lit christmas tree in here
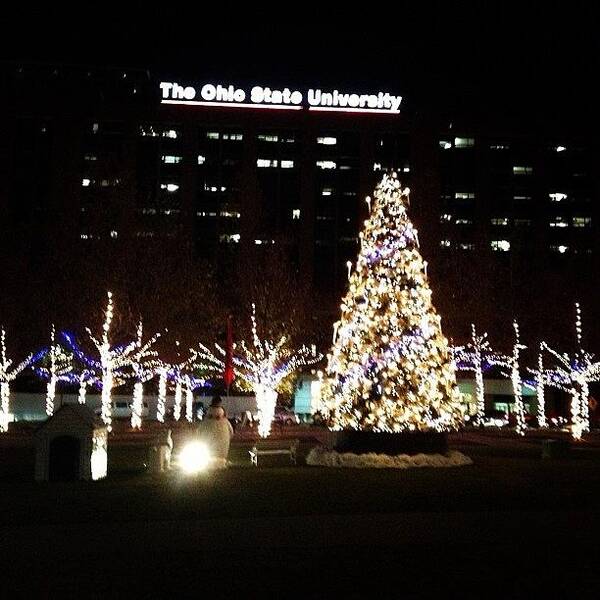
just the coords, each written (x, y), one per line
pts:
(390, 368)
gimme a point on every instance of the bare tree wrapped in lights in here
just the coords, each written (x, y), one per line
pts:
(177, 373)
(263, 365)
(86, 371)
(7, 374)
(390, 368)
(573, 375)
(540, 380)
(475, 357)
(512, 364)
(60, 365)
(144, 366)
(114, 360)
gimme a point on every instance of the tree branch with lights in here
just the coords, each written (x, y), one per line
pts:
(8, 373)
(263, 365)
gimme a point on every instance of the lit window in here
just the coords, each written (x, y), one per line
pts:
(445, 145)
(90, 157)
(170, 187)
(464, 142)
(230, 214)
(266, 162)
(502, 221)
(521, 197)
(500, 245)
(559, 222)
(349, 193)
(148, 211)
(327, 141)
(229, 238)
(326, 164)
(522, 222)
(296, 213)
(212, 135)
(85, 236)
(86, 182)
(268, 138)
(289, 139)
(557, 196)
(465, 246)
(499, 147)
(582, 221)
(519, 170)
(234, 137)
(444, 218)
(95, 128)
(171, 160)
(147, 131)
(559, 148)
(463, 222)
(201, 159)
(261, 242)
(377, 167)
(559, 249)
(464, 195)
(406, 169)
(342, 167)
(287, 164)
(170, 133)
(113, 234)
(327, 191)
(445, 243)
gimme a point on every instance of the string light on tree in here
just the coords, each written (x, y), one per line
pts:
(390, 368)
(8, 374)
(263, 365)
(86, 371)
(113, 362)
(144, 366)
(573, 375)
(60, 364)
(538, 384)
(474, 357)
(177, 373)
(162, 394)
(512, 363)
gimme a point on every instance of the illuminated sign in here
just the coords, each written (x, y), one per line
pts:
(282, 99)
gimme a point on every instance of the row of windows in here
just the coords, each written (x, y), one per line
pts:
(552, 196)
(558, 221)
(469, 142)
(504, 246)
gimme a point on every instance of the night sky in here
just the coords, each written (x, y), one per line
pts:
(506, 58)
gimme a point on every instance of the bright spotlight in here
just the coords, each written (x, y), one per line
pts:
(194, 458)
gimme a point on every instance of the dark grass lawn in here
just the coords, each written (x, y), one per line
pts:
(492, 483)
(511, 525)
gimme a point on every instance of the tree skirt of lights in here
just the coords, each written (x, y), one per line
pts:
(324, 457)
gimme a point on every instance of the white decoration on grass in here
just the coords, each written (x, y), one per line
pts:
(323, 457)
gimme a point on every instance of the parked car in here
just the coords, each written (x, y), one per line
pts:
(285, 416)
(122, 410)
(495, 418)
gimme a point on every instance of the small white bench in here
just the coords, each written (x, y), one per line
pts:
(274, 447)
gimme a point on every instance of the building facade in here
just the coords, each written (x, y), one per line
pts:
(508, 217)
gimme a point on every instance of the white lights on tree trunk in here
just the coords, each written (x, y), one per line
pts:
(7, 374)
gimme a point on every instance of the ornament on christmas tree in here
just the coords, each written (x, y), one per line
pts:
(390, 368)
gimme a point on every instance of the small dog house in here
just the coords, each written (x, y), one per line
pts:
(71, 445)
